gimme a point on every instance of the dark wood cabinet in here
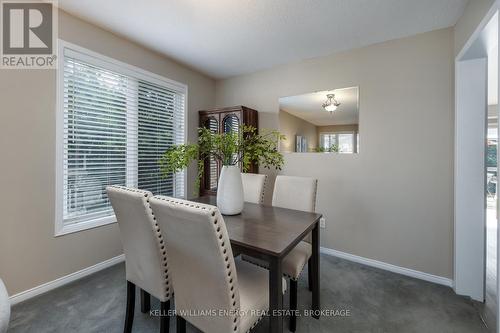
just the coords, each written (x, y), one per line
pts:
(224, 120)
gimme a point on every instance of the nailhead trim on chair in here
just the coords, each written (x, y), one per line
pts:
(263, 190)
(315, 195)
(313, 210)
(161, 246)
(159, 238)
(286, 275)
(294, 278)
(230, 271)
(255, 324)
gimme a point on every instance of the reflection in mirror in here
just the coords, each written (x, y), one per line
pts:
(325, 121)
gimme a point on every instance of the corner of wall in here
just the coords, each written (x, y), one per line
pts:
(473, 13)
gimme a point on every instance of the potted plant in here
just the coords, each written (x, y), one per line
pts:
(331, 149)
(233, 149)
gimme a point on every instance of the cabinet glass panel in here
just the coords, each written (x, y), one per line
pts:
(213, 170)
(231, 123)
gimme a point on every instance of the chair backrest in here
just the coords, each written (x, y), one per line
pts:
(253, 187)
(295, 193)
(201, 261)
(143, 244)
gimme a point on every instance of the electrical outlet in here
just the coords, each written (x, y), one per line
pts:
(322, 222)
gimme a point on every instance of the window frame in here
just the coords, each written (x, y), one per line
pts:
(354, 139)
(120, 67)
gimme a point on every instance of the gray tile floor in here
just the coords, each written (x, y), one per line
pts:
(378, 301)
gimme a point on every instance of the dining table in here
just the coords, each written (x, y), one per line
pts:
(270, 233)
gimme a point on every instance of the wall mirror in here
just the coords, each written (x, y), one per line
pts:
(321, 122)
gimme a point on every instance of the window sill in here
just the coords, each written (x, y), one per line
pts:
(62, 230)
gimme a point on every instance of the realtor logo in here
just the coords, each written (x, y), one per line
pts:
(28, 34)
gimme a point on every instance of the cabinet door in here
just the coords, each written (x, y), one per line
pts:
(231, 121)
(212, 167)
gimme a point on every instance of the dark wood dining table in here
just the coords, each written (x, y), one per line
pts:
(270, 233)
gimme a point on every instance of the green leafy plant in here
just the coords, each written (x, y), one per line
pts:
(331, 149)
(334, 149)
(242, 146)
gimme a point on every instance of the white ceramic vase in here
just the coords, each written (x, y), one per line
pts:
(230, 191)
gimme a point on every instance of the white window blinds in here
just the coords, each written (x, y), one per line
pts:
(344, 142)
(117, 122)
(160, 125)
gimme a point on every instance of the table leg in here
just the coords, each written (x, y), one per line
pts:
(315, 270)
(275, 296)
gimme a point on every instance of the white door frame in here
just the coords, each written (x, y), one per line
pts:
(470, 213)
(470, 179)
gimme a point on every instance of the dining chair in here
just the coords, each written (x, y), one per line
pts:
(146, 262)
(253, 191)
(253, 187)
(4, 308)
(297, 193)
(205, 275)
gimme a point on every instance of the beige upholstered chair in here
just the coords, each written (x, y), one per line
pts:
(253, 190)
(205, 274)
(145, 253)
(294, 193)
(4, 308)
(253, 187)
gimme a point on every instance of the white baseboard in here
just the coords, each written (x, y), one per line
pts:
(27, 294)
(43, 288)
(389, 267)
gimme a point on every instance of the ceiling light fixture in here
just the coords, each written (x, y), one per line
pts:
(331, 103)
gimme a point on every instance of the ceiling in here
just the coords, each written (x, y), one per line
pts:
(224, 38)
(309, 107)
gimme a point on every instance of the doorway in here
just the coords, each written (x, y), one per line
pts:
(489, 308)
(476, 161)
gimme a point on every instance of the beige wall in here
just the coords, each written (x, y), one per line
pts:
(468, 22)
(393, 201)
(291, 126)
(338, 128)
(29, 253)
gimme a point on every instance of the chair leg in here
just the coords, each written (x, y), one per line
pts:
(165, 317)
(129, 315)
(310, 274)
(181, 325)
(145, 301)
(293, 305)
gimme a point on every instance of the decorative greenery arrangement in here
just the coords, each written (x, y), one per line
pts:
(243, 146)
(331, 149)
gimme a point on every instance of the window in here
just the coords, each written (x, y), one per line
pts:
(328, 141)
(339, 142)
(346, 142)
(114, 123)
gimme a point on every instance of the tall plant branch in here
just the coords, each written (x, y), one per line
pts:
(243, 145)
